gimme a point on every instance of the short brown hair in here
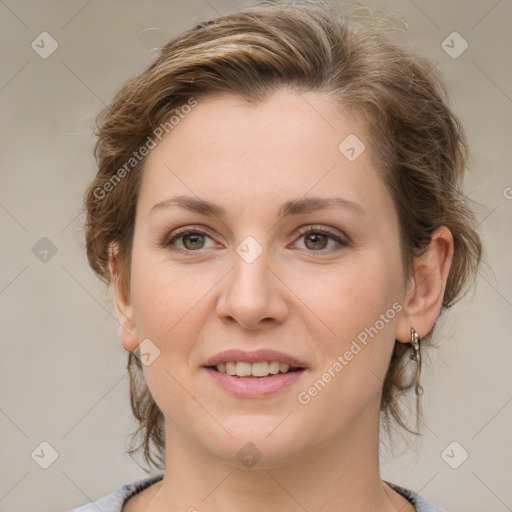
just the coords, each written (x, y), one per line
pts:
(417, 143)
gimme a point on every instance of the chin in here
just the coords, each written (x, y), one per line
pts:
(256, 444)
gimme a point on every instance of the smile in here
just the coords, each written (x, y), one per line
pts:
(258, 369)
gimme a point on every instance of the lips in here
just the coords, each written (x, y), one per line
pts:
(254, 357)
(254, 386)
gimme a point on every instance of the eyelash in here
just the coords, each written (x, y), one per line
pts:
(167, 242)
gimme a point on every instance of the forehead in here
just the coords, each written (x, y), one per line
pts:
(283, 148)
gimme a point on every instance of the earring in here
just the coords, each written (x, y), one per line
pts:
(416, 356)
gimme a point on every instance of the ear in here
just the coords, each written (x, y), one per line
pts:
(123, 303)
(425, 290)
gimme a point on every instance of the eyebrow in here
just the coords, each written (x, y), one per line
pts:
(294, 207)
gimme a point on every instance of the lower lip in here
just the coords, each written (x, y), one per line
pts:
(254, 386)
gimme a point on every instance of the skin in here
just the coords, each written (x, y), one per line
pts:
(250, 159)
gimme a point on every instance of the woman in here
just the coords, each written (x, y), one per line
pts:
(278, 209)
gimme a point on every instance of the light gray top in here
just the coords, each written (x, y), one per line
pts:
(114, 502)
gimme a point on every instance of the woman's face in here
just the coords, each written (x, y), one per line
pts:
(250, 279)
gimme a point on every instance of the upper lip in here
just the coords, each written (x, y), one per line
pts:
(254, 357)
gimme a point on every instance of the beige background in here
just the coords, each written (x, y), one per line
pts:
(63, 375)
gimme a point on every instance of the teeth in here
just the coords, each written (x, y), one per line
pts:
(230, 368)
(259, 369)
(283, 367)
(243, 369)
(273, 367)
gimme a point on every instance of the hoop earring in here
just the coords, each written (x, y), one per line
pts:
(416, 356)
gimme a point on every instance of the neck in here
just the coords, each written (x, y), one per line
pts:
(337, 474)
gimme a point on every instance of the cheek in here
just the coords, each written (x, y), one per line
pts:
(355, 359)
(165, 297)
(361, 307)
(169, 311)
(171, 306)
(360, 292)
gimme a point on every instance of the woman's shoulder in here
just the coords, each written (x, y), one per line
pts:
(420, 504)
(114, 502)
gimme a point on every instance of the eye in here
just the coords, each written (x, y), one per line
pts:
(191, 240)
(316, 239)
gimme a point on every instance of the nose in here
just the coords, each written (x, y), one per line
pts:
(253, 295)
